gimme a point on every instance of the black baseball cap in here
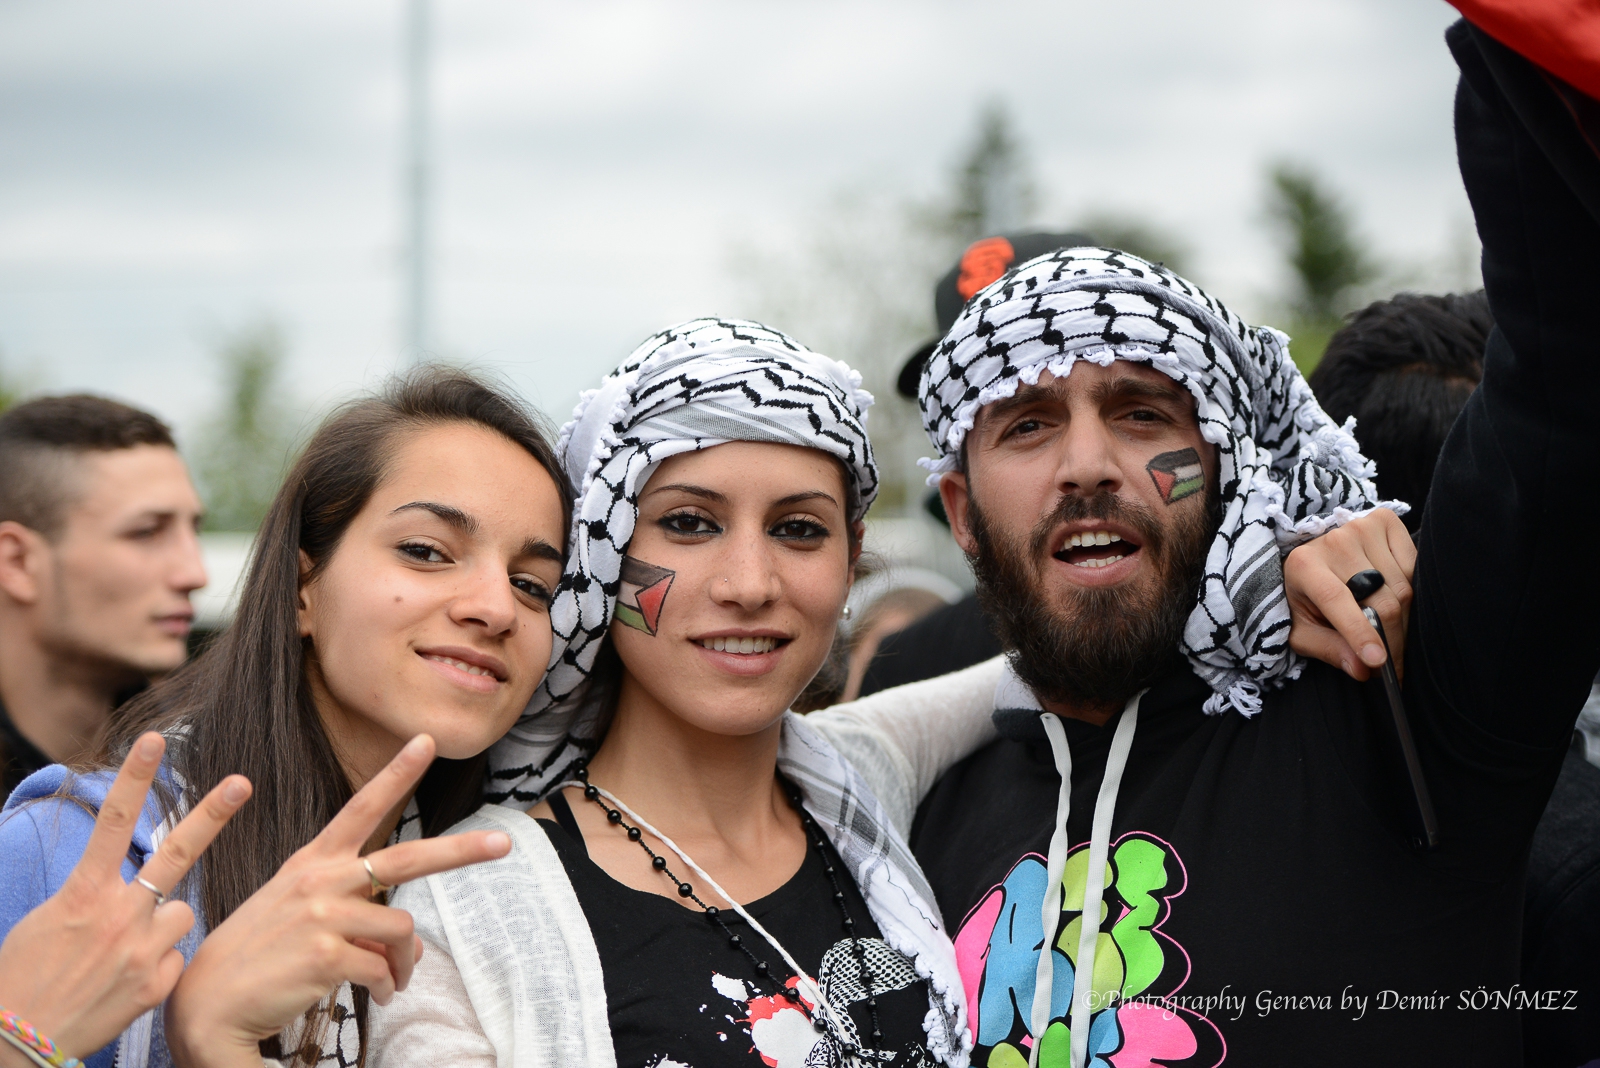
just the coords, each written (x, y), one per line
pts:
(983, 261)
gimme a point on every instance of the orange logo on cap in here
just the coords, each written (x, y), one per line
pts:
(983, 262)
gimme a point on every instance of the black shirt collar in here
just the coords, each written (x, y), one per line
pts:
(19, 757)
(1180, 688)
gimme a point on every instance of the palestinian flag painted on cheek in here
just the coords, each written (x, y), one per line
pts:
(644, 590)
(1177, 474)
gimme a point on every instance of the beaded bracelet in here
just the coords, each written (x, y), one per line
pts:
(40, 1050)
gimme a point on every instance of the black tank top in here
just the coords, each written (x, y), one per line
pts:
(678, 994)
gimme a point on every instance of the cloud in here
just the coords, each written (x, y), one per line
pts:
(175, 169)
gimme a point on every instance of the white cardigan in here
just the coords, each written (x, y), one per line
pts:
(510, 975)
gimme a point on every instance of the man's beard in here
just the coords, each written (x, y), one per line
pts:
(1106, 643)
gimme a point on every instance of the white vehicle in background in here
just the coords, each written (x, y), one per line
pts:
(226, 553)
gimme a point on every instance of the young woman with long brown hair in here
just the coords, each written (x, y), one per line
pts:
(396, 605)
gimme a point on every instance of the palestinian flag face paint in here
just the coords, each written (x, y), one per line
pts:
(644, 591)
(1177, 474)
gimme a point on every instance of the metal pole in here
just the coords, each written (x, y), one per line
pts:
(415, 343)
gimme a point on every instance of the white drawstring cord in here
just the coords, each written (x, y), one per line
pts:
(1055, 864)
(805, 980)
(1094, 887)
(1095, 881)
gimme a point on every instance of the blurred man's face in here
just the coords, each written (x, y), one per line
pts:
(1087, 512)
(115, 592)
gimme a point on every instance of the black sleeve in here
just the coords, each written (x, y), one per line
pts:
(1561, 920)
(1505, 634)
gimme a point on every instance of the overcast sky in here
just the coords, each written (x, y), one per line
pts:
(174, 170)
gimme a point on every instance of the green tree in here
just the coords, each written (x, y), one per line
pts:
(245, 446)
(991, 187)
(1327, 262)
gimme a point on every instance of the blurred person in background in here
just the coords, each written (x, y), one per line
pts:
(890, 612)
(98, 556)
(1561, 914)
(1404, 367)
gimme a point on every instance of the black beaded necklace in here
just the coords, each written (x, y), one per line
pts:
(714, 914)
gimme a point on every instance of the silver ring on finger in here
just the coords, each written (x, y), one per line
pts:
(377, 887)
(161, 899)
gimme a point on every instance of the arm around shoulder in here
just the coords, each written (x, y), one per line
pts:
(1509, 640)
(902, 739)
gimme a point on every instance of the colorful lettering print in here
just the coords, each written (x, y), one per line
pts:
(1136, 968)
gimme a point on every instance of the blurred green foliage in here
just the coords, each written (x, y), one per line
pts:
(244, 448)
(1308, 340)
(991, 188)
(1327, 261)
(12, 388)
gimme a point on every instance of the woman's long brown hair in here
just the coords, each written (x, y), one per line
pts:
(244, 706)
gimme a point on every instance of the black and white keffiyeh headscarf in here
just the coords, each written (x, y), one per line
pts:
(698, 384)
(1287, 472)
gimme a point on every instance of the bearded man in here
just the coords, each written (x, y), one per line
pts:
(1189, 847)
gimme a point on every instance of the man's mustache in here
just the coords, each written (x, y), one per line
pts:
(1072, 508)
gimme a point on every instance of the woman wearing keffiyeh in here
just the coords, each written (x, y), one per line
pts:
(722, 473)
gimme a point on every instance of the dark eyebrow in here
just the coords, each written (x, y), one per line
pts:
(466, 524)
(458, 519)
(691, 490)
(540, 549)
(1131, 386)
(1024, 396)
(721, 498)
(1123, 386)
(808, 495)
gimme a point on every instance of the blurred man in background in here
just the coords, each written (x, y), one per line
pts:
(98, 556)
(1405, 368)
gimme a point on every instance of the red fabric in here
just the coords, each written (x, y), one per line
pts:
(1562, 36)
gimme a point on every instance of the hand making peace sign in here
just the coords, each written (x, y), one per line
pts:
(315, 925)
(83, 965)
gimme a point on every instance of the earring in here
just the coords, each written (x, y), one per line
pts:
(847, 613)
